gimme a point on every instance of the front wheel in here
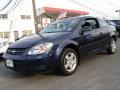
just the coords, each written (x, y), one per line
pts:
(112, 47)
(68, 61)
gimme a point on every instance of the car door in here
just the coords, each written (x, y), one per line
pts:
(91, 36)
(104, 32)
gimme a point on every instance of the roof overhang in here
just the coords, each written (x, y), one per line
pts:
(56, 11)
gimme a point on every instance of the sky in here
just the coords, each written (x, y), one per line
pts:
(104, 8)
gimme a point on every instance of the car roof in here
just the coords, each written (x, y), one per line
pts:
(83, 16)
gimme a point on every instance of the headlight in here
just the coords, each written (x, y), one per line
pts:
(40, 49)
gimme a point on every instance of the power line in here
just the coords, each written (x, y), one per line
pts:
(80, 4)
(15, 5)
(6, 5)
(98, 5)
(115, 5)
(111, 3)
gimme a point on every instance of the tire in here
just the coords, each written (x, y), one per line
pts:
(68, 62)
(112, 46)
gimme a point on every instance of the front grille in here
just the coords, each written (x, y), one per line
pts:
(29, 65)
(14, 51)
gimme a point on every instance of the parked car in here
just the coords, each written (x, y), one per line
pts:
(115, 23)
(60, 45)
(3, 46)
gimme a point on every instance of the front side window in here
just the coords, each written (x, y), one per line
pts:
(60, 26)
(93, 23)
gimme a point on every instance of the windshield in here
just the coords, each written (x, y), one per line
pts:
(60, 26)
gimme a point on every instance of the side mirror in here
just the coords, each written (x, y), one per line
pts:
(86, 28)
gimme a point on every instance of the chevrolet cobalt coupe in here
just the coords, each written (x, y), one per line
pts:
(60, 45)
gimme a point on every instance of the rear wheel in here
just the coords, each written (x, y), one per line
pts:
(112, 47)
(68, 61)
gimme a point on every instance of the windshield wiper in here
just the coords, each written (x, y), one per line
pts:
(48, 32)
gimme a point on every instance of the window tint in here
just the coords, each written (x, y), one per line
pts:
(92, 22)
(61, 26)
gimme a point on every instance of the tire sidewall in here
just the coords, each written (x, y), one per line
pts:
(109, 50)
(62, 58)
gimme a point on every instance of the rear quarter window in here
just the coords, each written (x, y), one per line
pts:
(103, 23)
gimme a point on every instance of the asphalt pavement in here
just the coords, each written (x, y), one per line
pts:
(96, 72)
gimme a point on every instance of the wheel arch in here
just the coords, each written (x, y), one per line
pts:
(113, 36)
(76, 48)
(72, 45)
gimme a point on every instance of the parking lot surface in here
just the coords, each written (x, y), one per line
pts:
(96, 72)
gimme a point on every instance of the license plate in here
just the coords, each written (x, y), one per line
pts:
(9, 63)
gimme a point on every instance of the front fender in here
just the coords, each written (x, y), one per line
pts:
(113, 32)
(63, 45)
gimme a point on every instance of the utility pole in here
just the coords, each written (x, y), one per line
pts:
(10, 30)
(35, 16)
(118, 12)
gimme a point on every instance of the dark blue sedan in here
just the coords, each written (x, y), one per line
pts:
(60, 45)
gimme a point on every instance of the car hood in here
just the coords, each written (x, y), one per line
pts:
(32, 40)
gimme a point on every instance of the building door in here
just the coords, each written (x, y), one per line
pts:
(16, 35)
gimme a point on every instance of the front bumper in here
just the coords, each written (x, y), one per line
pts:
(30, 62)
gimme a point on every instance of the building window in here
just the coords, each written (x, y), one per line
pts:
(27, 32)
(1, 34)
(28, 17)
(25, 17)
(4, 34)
(3, 16)
(22, 16)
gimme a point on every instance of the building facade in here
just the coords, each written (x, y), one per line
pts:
(21, 25)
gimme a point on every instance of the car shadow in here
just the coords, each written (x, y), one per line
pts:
(102, 53)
